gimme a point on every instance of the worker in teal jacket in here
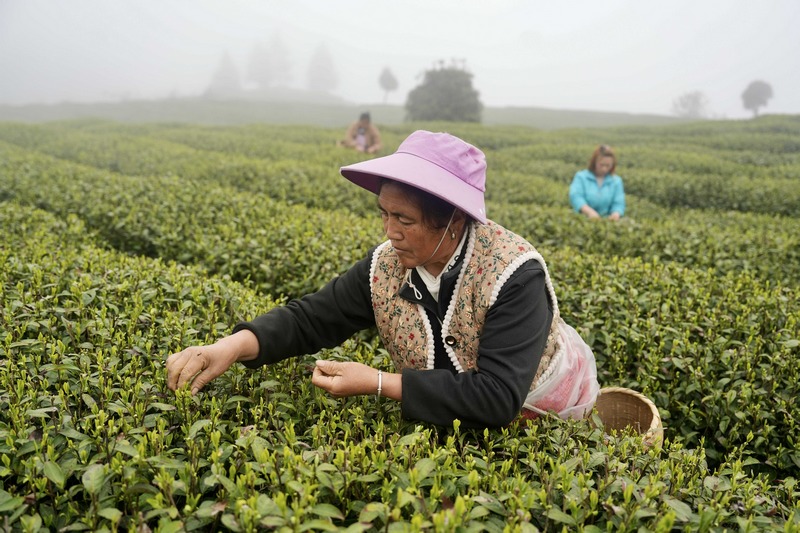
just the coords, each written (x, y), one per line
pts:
(596, 191)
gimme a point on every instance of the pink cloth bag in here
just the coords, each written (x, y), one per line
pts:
(570, 387)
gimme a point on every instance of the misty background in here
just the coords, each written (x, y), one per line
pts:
(615, 56)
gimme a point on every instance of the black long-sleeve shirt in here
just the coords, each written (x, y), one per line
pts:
(510, 347)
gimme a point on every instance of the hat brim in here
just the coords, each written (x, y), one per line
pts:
(421, 174)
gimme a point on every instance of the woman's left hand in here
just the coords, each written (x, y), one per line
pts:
(345, 378)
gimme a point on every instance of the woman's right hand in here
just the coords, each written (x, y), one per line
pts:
(199, 365)
(589, 212)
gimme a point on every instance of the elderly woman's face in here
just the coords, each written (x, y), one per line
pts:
(412, 239)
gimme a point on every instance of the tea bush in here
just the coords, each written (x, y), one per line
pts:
(228, 231)
(90, 438)
(726, 240)
(123, 243)
(297, 176)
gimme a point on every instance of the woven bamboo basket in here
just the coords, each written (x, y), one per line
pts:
(620, 408)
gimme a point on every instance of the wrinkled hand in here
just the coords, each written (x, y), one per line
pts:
(198, 366)
(345, 378)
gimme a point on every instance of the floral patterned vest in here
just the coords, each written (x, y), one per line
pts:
(492, 255)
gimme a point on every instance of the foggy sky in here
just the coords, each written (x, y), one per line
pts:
(617, 55)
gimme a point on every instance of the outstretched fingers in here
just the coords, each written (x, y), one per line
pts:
(183, 367)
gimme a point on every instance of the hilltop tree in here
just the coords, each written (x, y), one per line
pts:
(225, 82)
(446, 93)
(388, 83)
(259, 69)
(269, 65)
(321, 72)
(756, 95)
(691, 105)
(280, 62)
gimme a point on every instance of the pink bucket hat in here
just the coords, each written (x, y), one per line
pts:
(438, 163)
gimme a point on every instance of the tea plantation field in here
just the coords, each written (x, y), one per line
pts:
(123, 243)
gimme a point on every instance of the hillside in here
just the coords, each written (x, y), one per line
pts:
(313, 113)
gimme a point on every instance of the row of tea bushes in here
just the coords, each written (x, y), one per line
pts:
(768, 135)
(672, 174)
(300, 175)
(780, 196)
(680, 184)
(765, 245)
(91, 439)
(771, 191)
(152, 211)
(60, 287)
(258, 142)
(532, 206)
(763, 148)
(277, 247)
(196, 152)
(717, 354)
(291, 251)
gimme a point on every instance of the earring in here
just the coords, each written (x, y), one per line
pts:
(452, 234)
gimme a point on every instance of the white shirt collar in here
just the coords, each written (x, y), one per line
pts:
(432, 282)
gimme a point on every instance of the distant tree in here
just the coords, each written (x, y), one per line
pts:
(388, 83)
(446, 93)
(279, 62)
(259, 68)
(269, 65)
(321, 72)
(756, 95)
(691, 105)
(225, 82)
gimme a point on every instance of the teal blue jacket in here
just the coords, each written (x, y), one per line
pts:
(609, 198)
